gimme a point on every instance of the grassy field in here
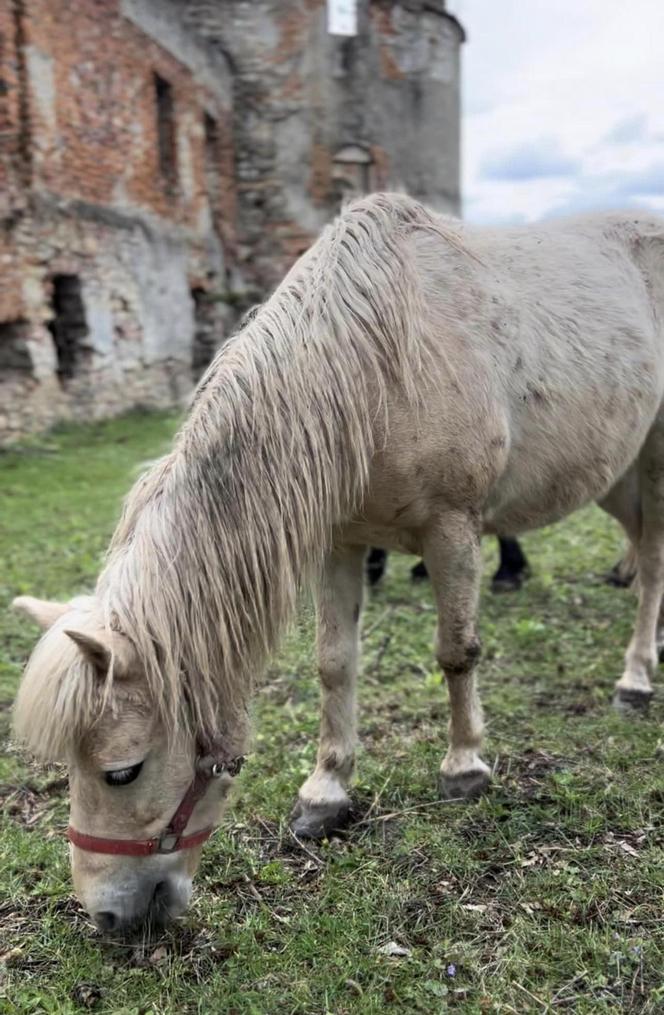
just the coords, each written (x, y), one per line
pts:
(544, 896)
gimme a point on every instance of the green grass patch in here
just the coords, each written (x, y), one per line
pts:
(544, 896)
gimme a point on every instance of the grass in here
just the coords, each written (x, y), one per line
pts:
(544, 896)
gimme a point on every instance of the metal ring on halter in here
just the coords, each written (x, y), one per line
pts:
(215, 769)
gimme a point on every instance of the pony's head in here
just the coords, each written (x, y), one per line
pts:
(143, 796)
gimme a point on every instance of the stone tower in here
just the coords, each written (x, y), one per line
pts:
(321, 115)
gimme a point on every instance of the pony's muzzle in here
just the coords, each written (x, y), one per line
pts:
(149, 906)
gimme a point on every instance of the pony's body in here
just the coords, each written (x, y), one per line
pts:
(548, 374)
(411, 384)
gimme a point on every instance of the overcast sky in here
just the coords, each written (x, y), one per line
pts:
(563, 106)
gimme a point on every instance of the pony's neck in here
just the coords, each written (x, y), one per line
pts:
(215, 541)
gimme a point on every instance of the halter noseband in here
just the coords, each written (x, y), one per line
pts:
(171, 840)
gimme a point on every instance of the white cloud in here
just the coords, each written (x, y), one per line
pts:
(584, 81)
(539, 158)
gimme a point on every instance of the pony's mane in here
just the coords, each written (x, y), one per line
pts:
(216, 539)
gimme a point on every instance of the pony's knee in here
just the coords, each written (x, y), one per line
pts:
(458, 658)
(336, 666)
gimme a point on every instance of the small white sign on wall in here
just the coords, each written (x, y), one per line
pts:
(342, 17)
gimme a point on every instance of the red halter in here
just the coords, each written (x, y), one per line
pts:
(171, 839)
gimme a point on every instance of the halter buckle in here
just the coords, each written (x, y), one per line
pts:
(215, 769)
(234, 766)
(167, 842)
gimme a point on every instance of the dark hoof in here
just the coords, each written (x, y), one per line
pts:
(630, 700)
(419, 572)
(318, 821)
(507, 582)
(620, 576)
(465, 785)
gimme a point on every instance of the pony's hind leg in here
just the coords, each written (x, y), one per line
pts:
(323, 802)
(513, 568)
(376, 564)
(454, 561)
(634, 689)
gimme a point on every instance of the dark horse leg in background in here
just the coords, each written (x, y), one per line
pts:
(376, 564)
(511, 572)
(513, 567)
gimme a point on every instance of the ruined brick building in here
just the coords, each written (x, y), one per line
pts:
(162, 162)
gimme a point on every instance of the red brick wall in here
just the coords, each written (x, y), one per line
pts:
(92, 112)
(11, 139)
(79, 159)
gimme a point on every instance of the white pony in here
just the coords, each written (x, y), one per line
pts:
(412, 383)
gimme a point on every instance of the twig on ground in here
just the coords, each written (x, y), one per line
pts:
(566, 986)
(377, 797)
(409, 810)
(537, 1000)
(317, 860)
(377, 622)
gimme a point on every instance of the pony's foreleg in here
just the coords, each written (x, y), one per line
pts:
(453, 558)
(323, 801)
(634, 689)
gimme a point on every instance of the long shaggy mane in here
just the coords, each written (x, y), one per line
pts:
(216, 539)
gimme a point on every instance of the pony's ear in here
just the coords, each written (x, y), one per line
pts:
(42, 611)
(99, 648)
(94, 649)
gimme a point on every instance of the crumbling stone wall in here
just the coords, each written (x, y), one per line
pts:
(319, 117)
(163, 163)
(85, 197)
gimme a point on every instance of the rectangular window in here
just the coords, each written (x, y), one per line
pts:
(68, 325)
(165, 130)
(205, 332)
(342, 17)
(212, 178)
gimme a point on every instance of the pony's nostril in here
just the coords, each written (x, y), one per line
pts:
(105, 920)
(161, 898)
(160, 893)
(159, 909)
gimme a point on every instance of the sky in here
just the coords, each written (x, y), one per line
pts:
(563, 107)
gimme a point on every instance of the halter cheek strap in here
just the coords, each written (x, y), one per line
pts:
(171, 839)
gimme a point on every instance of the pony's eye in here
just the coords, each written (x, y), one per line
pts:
(123, 776)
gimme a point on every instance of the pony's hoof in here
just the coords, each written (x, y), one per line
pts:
(620, 576)
(464, 785)
(318, 821)
(629, 700)
(507, 582)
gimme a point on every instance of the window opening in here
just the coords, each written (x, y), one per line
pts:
(212, 178)
(205, 331)
(165, 129)
(68, 325)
